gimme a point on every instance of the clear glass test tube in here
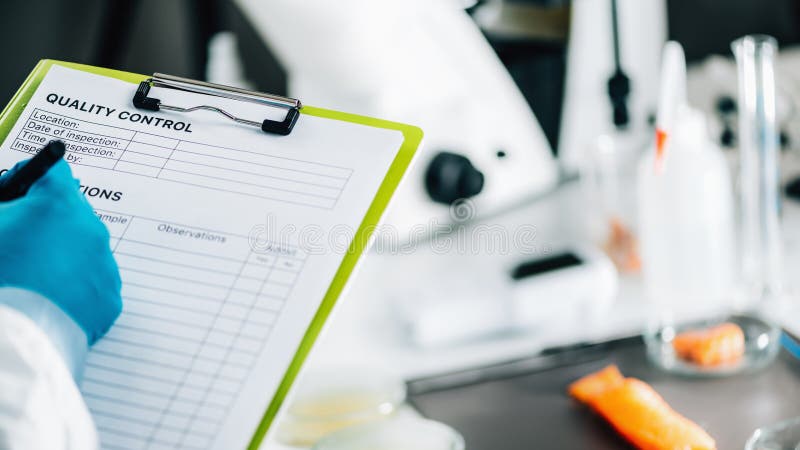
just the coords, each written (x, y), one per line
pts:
(762, 272)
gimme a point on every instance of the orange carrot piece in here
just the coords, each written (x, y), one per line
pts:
(638, 413)
(711, 347)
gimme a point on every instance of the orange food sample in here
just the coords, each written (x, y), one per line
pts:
(588, 388)
(638, 413)
(622, 247)
(711, 347)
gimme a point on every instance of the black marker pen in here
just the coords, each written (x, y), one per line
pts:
(17, 184)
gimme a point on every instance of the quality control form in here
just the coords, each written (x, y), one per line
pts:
(233, 245)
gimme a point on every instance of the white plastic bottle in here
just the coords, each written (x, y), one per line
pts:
(686, 215)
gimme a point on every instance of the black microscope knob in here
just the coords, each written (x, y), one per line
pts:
(726, 105)
(450, 177)
(727, 138)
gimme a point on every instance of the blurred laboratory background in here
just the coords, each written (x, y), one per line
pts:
(585, 192)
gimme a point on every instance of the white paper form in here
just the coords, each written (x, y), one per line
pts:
(207, 221)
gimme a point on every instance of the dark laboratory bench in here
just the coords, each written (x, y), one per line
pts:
(523, 405)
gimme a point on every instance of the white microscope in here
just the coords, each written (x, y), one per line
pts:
(427, 62)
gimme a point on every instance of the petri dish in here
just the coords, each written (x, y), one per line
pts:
(401, 433)
(780, 436)
(761, 341)
(331, 399)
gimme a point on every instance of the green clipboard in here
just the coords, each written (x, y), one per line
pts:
(412, 136)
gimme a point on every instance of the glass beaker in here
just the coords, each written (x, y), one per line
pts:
(739, 334)
(608, 178)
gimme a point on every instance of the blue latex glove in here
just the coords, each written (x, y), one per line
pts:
(52, 243)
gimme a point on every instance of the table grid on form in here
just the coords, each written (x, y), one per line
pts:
(198, 307)
(239, 171)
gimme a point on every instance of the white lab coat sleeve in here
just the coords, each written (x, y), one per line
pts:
(40, 404)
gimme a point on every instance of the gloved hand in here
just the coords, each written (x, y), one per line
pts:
(52, 243)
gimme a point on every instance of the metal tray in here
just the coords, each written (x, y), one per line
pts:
(523, 405)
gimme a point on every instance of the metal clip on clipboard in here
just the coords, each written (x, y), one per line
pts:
(283, 128)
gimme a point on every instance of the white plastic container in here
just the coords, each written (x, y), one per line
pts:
(686, 221)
